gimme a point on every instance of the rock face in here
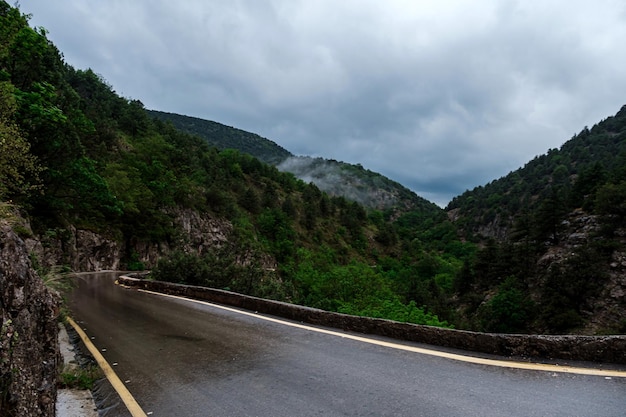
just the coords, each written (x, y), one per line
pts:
(87, 251)
(29, 353)
(201, 231)
(605, 311)
(81, 250)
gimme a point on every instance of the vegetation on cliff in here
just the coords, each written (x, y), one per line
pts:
(554, 239)
(352, 181)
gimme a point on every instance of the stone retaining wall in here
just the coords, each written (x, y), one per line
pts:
(610, 349)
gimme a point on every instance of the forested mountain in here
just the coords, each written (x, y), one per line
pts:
(356, 183)
(226, 137)
(540, 250)
(554, 235)
(566, 178)
(336, 178)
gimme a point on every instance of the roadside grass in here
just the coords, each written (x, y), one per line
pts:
(82, 378)
(57, 278)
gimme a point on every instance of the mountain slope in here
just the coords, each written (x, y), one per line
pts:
(226, 137)
(553, 240)
(570, 175)
(356, 183)
(353, 182)
(97, 177)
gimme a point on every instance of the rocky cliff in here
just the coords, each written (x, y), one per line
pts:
(87, 251)
(29, 353)
(606, 309)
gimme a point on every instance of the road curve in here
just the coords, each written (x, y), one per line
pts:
(180, 358)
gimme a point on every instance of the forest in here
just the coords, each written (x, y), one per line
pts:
(75, 153)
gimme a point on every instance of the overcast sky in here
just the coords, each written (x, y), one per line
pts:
(441, 96)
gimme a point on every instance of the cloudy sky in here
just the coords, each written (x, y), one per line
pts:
(441, 96)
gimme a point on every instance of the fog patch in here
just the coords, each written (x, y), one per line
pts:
(352, 182)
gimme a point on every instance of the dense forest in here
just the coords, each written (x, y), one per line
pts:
(336, 178)
(73, 153)
(226, 137)
(553, 237)
(578, 175)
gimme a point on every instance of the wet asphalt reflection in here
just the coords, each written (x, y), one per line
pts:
(183, 359)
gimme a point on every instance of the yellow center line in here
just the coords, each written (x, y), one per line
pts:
(116, 382)
(454, 356)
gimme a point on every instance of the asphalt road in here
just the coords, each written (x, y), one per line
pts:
(180, 358)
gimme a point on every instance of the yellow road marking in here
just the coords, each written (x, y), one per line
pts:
(457, 357)
(125, 395)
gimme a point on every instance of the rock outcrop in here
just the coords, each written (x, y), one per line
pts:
(29, 352)
(80, 250)
(87, 251)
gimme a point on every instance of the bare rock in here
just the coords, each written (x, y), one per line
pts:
(29, 352)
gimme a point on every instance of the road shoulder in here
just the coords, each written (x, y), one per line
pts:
(72, 402)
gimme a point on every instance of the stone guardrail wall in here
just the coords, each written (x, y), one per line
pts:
(609, 349)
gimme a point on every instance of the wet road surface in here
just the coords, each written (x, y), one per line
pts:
(179, 358)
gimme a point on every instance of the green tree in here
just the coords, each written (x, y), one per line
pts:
(19, 169)
(586, 185)
(508, 311)
(549, 218)
(250, 201)
(611, 202)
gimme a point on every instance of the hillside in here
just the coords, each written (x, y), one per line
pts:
(553, 235)
(353, 182)
(569, 176)
(356, 183)
(226, 137)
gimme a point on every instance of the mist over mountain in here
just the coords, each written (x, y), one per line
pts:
(351, 181)
(355, 183)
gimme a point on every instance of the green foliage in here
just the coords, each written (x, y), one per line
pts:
(275, 227)
(19, 168)
(56, 277)
(549, 218)
(225, 137)
(611, 203)
(190, 269)
(134, 264)
(508, 311)
(81, 378)
(218, 269)
(355, 288)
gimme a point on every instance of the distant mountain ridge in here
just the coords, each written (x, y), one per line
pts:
(553, 240)
(356, 183)
(571, 175)
(226, 137)
(336, 178)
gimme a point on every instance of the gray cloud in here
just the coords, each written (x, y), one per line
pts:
(440, 96)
